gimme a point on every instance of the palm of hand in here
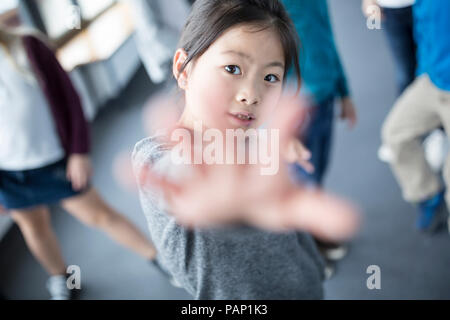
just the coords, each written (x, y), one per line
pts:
(218, 194)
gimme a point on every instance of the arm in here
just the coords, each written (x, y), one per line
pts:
(343, 89)
(348, 110)
(66, 108)
(62, 96)
(174, 243)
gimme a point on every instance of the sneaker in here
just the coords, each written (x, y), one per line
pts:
(436, 149)
(385, 154)
(57, 286)
(329, 270)
(433, 214)
(332, 251)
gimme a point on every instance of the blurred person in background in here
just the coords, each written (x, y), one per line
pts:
(324, 80)
(397, 24)
(423, 107)
(44, 155)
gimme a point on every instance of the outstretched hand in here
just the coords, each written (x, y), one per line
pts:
(215, 194)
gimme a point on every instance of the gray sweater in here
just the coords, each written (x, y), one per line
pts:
(232, 262)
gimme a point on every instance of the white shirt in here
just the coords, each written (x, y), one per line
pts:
(394, 4)
(28, 137)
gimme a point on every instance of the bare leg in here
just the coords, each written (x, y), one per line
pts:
(90, 209)
(35, 226)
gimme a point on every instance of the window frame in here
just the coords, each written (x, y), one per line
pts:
(70, 34)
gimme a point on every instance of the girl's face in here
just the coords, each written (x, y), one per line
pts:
(236, 83)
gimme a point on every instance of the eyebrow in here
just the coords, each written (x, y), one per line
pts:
(246, 56)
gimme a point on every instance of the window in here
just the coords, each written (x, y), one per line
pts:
(8, 5)
(8, 12)
(55, 16)
(90, 9)
(64, 19)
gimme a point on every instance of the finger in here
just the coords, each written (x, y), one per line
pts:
(78, 181)
(83, 181)
(160, 114)
(191, 212)
(187, 150)
(324, 216)
(289, 117)
(72, 177)
(147, 176)
(308, 166)
(74, 183)
(302, 150)
(68, 173)
(196, 220)
(343, 114)
(304, 155)
(352, 120)
(123, 171)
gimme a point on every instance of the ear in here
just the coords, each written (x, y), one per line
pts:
(178, 61)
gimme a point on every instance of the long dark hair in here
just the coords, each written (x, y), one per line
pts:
(209, 19)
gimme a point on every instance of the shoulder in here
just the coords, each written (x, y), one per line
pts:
(147, 152)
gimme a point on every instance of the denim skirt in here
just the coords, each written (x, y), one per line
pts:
(41, 186)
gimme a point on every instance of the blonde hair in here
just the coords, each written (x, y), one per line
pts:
(11, 42)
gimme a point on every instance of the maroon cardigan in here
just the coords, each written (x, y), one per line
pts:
(64, 102)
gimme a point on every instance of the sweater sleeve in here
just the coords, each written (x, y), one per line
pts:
(342, 85)
(61, 95)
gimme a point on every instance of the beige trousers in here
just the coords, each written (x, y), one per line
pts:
(422, 108)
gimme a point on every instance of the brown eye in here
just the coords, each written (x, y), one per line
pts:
(233, 69)
(271, 78)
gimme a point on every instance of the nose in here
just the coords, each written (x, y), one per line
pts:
(248, 95)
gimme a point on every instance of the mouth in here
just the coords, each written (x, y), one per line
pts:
(242, 118)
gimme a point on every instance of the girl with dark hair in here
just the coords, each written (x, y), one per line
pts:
(44, 155)
(231, 64)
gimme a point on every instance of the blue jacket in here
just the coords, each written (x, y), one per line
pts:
(432, 33)
(322, 73)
